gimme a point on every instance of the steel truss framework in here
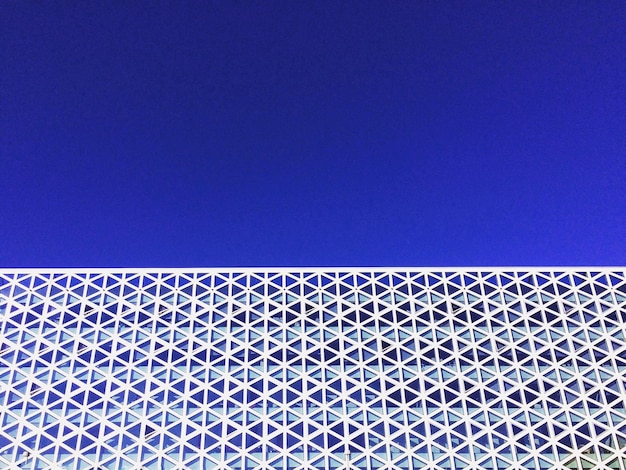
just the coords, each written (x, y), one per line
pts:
(313, 368)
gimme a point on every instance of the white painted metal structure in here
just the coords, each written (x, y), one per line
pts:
(298, 368)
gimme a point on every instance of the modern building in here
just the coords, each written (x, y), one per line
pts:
(476, 368)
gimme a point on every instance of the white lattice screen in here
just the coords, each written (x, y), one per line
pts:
(313, 369)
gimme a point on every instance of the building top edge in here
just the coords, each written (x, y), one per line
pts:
(319, 269)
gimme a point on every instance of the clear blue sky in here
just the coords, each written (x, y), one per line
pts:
(291, 133)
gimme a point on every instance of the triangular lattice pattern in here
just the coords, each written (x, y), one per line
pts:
(313, 369)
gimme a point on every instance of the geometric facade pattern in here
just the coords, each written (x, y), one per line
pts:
(313, 369)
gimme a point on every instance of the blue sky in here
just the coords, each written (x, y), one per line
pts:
(312, 133)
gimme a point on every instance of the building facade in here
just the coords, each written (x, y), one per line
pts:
(313, 369)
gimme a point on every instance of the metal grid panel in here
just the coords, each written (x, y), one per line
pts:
(309, 369)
